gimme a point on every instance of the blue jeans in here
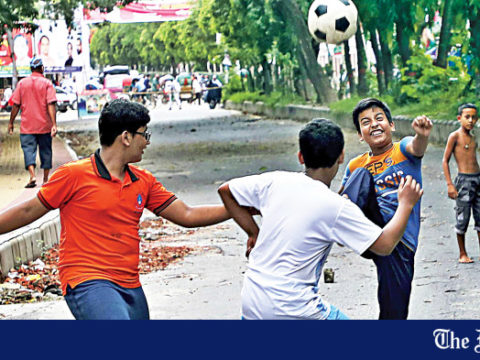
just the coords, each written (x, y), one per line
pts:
(395, 271)
(105, 300)
(30, 142)
(336, 314)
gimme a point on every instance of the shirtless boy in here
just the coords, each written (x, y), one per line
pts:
(466, 187)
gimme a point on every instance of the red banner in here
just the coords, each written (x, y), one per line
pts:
(22, 43)
(148, 11)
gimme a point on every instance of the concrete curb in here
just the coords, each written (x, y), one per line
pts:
(439, 134)
(28, 243)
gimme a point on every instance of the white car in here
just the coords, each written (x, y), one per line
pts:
(65, 100)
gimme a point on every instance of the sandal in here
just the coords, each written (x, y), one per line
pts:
(31, 184)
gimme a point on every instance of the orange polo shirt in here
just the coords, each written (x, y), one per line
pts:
(33, 94)
(100, 219)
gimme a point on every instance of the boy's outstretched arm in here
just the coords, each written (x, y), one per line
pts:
(452, 140)
(422, 126)
(194, 216)
(241, 215)
(409, 192)
(21, 215)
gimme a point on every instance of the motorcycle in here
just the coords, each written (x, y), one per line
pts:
(213, 96)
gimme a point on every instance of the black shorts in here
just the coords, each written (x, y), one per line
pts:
(468, 201)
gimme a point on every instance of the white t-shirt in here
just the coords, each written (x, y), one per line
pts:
(302, 218)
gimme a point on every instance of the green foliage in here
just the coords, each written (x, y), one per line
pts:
(426, 83)
(14, 11)
(234, 85)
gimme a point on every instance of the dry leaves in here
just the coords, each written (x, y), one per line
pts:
(38, 279)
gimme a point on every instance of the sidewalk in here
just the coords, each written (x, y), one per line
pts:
(27, 243)
(61, 155)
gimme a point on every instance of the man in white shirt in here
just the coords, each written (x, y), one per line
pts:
(302, 219)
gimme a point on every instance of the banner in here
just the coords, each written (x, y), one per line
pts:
(91, 102)
(23, 46)
(62, 49)
(147, 11)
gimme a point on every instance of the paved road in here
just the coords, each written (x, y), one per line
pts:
(193, 157)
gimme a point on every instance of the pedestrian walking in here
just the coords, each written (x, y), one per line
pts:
(35, 96)
(101, 200)
(174, 89)
(301, 220)
(197, 90)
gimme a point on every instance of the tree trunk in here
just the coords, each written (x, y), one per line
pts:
(174, 68)
(291, 12)
(14, 62)
(379, 60)
(445, 34)
(348, 64)
(387, 59)
(474, 18)
(258, 81)
(362, 63)
(403, 42)
(251, 80)
(267, 76)
(279, 77)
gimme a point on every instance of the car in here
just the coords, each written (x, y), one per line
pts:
(65, 100)
(113, 77)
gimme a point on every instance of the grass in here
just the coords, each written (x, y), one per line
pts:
(275, 98)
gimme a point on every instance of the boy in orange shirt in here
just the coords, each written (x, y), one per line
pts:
(101, 200)
(466, 188)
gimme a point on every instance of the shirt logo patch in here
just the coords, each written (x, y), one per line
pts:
(139, 205)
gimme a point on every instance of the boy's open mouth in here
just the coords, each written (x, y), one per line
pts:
(376, 132)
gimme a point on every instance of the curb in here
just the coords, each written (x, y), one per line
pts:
(29, 242)
(439, 135)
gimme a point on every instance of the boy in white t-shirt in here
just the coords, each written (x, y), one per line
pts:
(302, 219)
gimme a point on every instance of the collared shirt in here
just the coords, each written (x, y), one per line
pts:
(387, 170)
(100, 217)
(33, 94)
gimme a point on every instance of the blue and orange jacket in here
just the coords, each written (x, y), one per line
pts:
(387, 170)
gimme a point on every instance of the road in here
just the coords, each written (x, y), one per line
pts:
(193, 152)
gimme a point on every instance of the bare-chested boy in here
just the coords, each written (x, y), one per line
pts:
(466, 188)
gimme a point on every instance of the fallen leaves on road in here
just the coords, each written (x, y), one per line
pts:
(38, 280)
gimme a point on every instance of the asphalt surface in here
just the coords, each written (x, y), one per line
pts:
(192, 153)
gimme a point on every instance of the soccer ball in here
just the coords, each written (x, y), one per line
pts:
(332, 21)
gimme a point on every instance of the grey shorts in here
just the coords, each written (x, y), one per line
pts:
(30, 143)
(468, 200)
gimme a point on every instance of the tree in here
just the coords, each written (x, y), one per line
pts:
(291, 12)
(472, 8)
(362, 63)
(445, 35)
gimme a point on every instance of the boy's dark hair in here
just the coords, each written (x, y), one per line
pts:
(368, 103)
(118, 116)
(321, 143)
(466, 106)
